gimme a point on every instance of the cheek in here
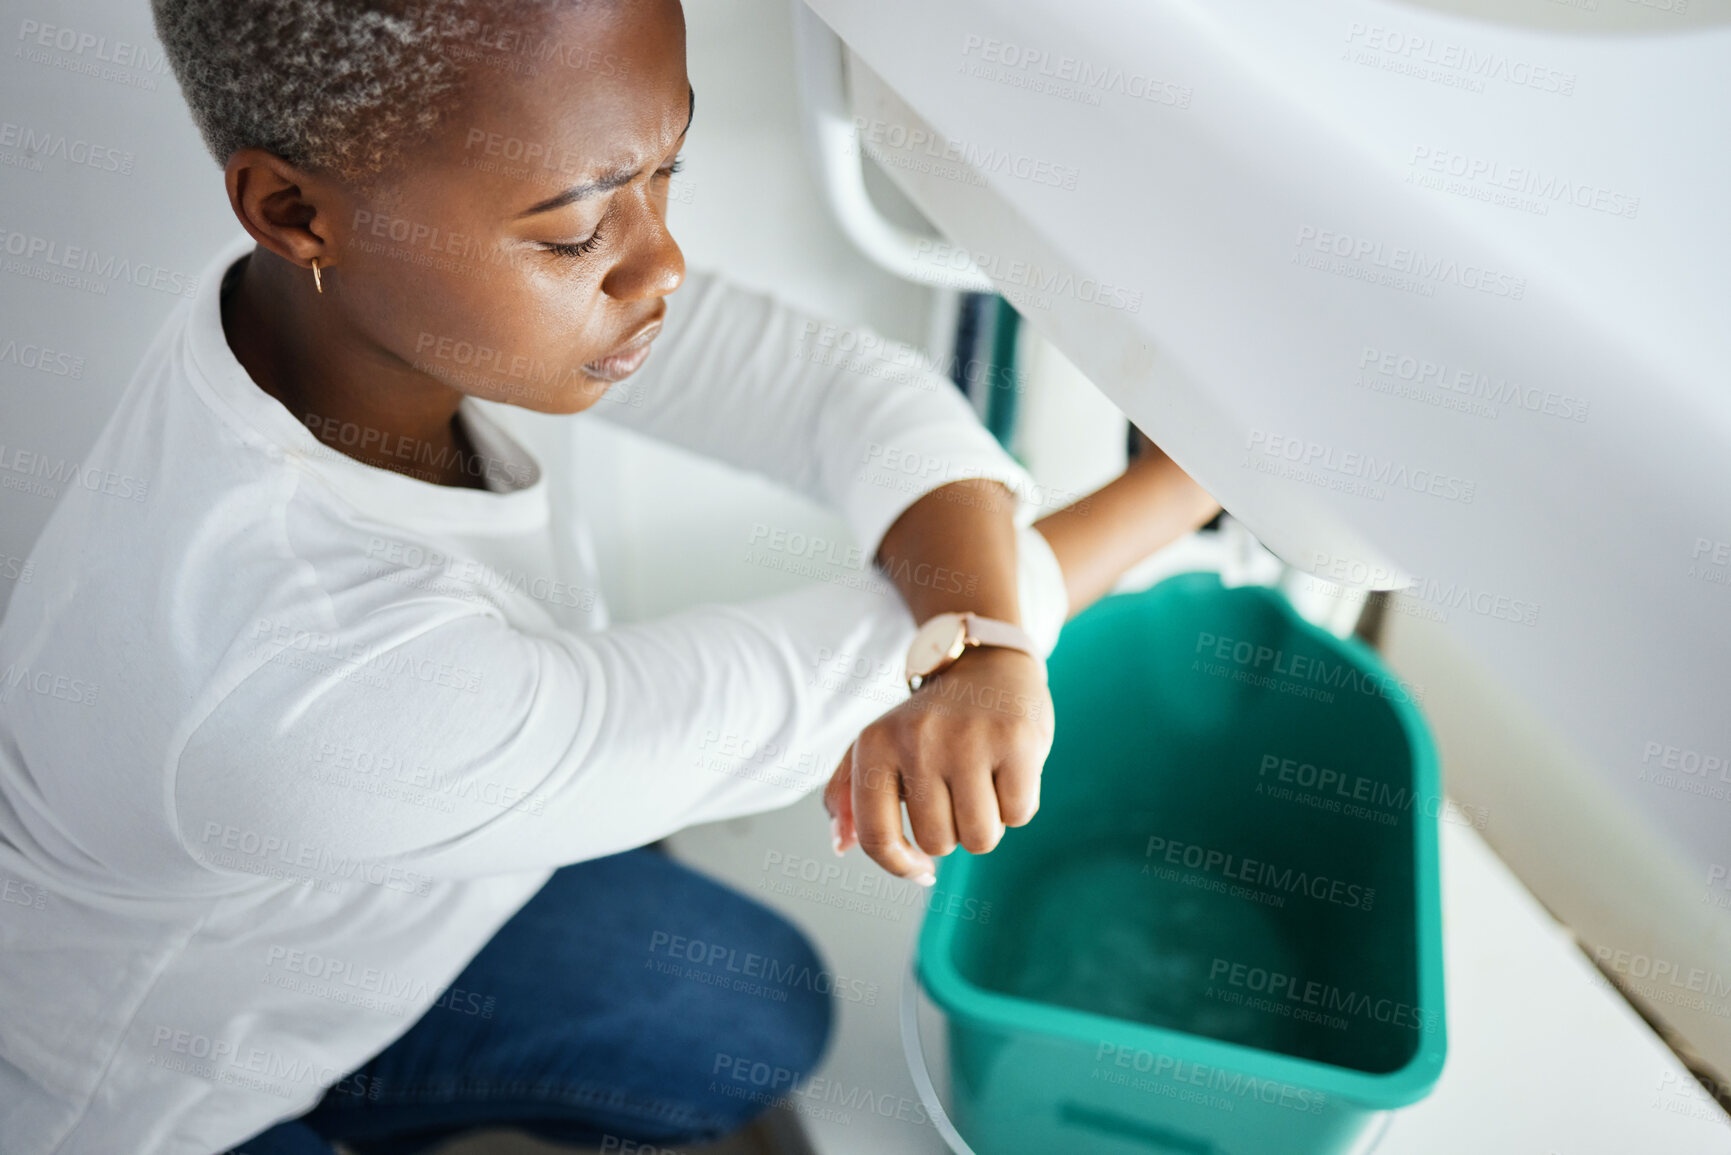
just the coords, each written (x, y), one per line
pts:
(426, 312)
(520, 337)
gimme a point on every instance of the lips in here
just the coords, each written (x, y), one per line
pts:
(627, 358)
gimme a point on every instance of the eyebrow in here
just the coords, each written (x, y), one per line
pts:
(608, 181)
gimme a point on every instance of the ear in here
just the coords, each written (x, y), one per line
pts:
(286, 209)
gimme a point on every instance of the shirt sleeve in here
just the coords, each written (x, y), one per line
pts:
(853, 420)
(375, 738)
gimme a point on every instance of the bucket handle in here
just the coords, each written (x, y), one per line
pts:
(916, 1056)
(914, 1050)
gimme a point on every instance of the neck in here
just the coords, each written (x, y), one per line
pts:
(299, 346)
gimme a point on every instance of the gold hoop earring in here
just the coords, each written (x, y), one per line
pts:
(318, 281)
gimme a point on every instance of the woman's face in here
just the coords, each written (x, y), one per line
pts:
(522, 254)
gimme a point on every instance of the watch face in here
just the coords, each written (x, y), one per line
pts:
(938, 642)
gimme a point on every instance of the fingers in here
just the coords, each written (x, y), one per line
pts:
(929, 814)
(838, 800)
(976, 805)
(877, 814)
(1017, 784)
(966, 769)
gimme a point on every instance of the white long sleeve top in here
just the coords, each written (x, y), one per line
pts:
(284, 737)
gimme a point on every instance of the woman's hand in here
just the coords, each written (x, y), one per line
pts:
(964, 753)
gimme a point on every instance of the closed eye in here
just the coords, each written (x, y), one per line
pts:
(575, 248)
(585, 247)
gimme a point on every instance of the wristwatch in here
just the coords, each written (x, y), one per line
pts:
(944, 638)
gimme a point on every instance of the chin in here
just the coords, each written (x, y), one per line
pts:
(577, 398)
(573, 397)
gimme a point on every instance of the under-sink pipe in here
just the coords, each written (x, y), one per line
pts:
(833, 143)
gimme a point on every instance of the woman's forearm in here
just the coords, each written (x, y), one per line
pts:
(955, 550)
(1150, 505)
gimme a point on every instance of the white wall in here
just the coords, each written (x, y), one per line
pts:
(164, 208)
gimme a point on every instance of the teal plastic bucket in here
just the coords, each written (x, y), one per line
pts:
(1222, 933)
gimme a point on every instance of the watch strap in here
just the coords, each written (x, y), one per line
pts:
(984, 631)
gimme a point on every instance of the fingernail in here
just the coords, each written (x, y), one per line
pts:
(835, 836)
(926, 879)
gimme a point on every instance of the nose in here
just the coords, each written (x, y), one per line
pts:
(651, 264)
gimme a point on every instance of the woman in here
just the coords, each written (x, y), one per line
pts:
(334, 833)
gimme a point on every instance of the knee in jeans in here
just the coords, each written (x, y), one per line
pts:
(777, 1038)
(800, 994)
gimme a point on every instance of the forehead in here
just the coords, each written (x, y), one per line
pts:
(571, 93)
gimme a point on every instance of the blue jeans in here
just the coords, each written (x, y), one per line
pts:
(618, 1003)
